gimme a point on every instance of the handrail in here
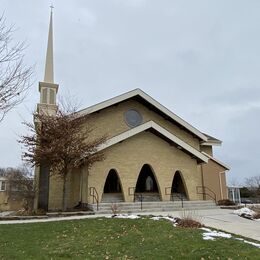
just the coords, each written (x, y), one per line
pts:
(131, 192)
(93, 193)
(181, 197)
(203, 192)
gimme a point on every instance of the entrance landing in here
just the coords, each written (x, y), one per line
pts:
(151, 206)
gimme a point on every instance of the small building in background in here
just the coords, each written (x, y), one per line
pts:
(234, 194)
(14, 193)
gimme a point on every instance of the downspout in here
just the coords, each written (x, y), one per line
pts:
(220, 184)
(202, 182)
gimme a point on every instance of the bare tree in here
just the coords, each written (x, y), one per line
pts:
(14, 76)
(20, 186)
(253, 182)
(63, 142)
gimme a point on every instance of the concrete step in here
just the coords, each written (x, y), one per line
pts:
(178, 197)
(135, 207)
(112, 198)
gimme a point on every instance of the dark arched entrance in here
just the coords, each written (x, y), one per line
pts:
(178, 189)
(112, 189)
(146, 185)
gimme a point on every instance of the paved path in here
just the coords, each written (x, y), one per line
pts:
(217, 218)
(225, 220)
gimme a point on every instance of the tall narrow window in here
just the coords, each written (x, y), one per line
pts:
(2, 185)
(52, 96)
(44, 96)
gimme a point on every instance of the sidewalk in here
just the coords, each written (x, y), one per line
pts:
(222, 219)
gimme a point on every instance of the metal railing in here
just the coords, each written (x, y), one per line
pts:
(180, 196)
(137, 197)
(205, 191)
(93, 193)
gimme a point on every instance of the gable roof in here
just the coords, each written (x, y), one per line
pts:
(142, 96)
(217, 161)
(160, 131)
(212, 141)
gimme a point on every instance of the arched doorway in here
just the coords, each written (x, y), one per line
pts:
(178, 189)
(112, 189)
(146, 185)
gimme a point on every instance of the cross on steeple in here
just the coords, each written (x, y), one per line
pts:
(52, 7)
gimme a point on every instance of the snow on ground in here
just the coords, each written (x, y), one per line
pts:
(123, 216)
(244, 211)
(160, 217)
(212, 234)
(170, 218)
(248, 242)
(5, 213)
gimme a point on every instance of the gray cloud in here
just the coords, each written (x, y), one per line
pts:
(198, 58)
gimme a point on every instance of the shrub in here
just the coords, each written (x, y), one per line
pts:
(114, 208)
(226, 202)
(189, 223)
(256, 209)
(189, 220)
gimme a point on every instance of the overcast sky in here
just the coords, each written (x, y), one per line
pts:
(201, 59)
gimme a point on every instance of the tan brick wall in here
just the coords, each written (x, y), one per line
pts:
(207, 149)
(9, 204)
(55, 192)
(127, 159)
(111, 121)
(3, 201)
(73, 190)
(212, 179)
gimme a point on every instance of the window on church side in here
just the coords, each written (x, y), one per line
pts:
(2, 185)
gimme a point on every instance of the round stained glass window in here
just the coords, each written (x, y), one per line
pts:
(133, 118)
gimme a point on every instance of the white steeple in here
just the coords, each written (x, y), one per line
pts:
(48, 89)
(49, 74)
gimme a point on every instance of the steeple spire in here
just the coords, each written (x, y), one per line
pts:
(49, 74)
(48, 89)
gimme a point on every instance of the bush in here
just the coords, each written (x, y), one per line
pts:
(226, 203)
(189, 223)
(189, 220)
(256, 209)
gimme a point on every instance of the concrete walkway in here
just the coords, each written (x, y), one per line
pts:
(222, 219)
(225, 220)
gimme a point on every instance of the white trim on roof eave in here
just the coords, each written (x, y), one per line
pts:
(151, 124)
(211, 143)
(217, 161)
(152, 101)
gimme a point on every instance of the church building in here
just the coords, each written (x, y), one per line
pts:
(151, 153)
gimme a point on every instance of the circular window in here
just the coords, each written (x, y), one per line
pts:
(133, 118)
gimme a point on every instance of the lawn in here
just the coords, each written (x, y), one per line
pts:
(115, 239)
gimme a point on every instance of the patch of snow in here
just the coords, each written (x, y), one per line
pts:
(206, 229)
(212, 234)
(248, 242)
(5, 213)
(166, 218)
(244, 211)
(124, 216)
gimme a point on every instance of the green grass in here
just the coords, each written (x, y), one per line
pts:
(115, 239)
